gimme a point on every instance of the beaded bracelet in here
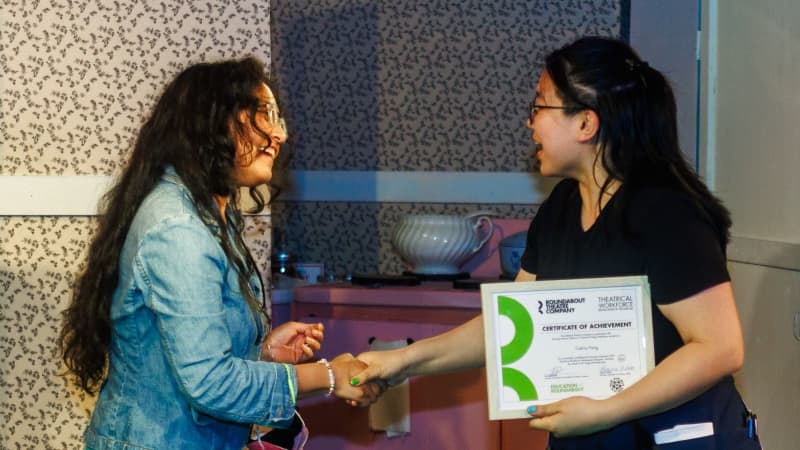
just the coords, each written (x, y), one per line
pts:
(331, 378)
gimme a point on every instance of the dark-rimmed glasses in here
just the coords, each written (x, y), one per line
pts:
(535, 108)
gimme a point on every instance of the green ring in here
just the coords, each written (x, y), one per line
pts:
(523, 329)
(520, 383)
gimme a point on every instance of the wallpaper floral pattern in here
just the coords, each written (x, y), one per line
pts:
(41, 257)
(410, 85)
(78, 78)
(420, 85)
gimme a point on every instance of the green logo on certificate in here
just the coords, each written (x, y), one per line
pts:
(516, 349)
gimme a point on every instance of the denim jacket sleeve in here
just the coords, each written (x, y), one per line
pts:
(184, 271)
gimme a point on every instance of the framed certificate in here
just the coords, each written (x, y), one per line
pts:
(548, 340)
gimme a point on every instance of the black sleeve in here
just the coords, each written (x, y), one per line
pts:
(683, 253)
(528, 261)
(544, 216)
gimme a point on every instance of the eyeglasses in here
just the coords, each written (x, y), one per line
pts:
(535, 108)
(271, 111)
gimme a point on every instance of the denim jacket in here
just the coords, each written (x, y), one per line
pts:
(183, 361)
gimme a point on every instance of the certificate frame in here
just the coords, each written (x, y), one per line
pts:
(549, 340)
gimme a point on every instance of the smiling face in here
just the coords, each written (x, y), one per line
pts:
(562, 146)
(259, 143)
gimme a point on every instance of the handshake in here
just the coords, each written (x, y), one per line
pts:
(352, 382)
(360, 381)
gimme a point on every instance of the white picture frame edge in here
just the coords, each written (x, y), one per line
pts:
(490, 335)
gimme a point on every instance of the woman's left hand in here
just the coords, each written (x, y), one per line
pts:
(293, 342)
(572, 416)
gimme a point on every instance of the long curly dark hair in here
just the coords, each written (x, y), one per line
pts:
(193, 129)
(638, 134)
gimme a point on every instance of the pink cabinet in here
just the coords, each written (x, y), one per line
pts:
(447, 411)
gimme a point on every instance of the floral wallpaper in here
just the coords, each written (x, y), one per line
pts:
(411, 85)
(80, 77)
(420, 85)
(77, 80)
(40, 259)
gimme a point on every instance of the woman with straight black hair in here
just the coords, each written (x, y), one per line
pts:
(629, 204)
(168, 317)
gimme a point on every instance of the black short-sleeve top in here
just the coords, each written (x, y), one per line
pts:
(662, 234)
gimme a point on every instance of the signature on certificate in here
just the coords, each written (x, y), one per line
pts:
(616, 370)
(559, 372)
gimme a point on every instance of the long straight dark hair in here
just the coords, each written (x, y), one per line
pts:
(192, 128)
(638, 134)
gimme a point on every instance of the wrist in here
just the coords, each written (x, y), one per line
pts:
(613, 411)
(410, 361)
(331, 378)
(266, 353)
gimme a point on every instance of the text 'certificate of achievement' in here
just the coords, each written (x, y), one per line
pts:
(549, 340)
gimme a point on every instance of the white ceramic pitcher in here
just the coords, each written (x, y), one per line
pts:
(440, 244)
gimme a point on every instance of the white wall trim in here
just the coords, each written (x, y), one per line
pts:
(78, 195)
(72, 195)
(418, 187)
(35, 195)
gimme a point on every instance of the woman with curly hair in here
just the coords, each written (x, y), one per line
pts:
(167, 318)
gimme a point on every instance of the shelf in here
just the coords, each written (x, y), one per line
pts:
(430, 294)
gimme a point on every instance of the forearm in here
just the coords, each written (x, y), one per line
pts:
(709, 325)
(312, 379)
(458, 349)
(682, 376)
(461, 348)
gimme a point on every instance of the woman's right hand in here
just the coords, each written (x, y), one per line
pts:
(345, 366)
(387, 365)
